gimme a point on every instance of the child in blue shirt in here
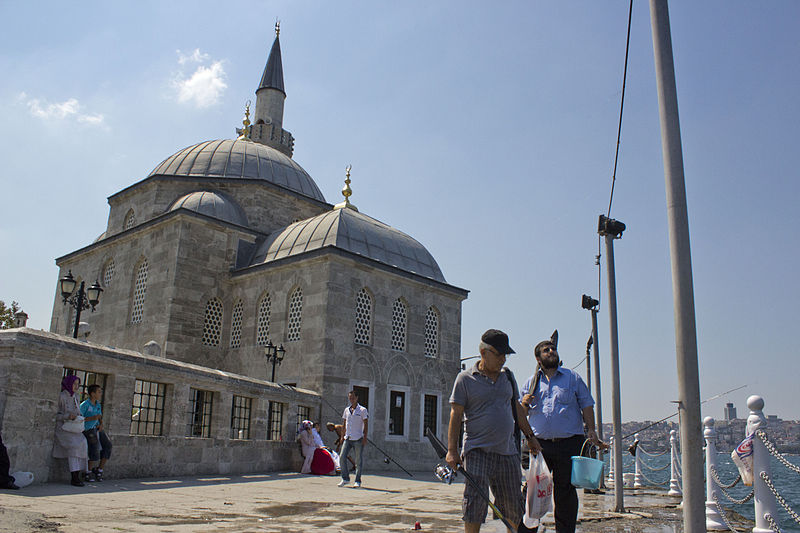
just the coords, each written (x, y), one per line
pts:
(98, 441)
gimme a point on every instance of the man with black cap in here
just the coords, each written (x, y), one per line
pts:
(558, 404)
(484, 399)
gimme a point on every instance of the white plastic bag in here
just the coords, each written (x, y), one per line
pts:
(742, 457)
(22, 479)
(539, 499)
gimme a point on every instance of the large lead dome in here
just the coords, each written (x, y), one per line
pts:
(239, 159)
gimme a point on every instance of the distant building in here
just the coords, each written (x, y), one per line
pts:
(730, 411)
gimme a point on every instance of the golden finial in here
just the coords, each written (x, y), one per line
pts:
(245, 131)
(347, 192)
(277, 28)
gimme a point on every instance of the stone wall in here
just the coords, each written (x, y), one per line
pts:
(32, 364)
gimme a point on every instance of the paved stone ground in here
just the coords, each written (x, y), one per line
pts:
(289, 502)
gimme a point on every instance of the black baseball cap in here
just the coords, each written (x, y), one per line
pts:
(497, 340)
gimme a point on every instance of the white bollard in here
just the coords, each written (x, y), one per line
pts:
(637, 478)
(674, 472)
(610, 479)
(713, 519)
(764, 498)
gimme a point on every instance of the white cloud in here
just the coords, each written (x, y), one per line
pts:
(68, 109)
(205, 86)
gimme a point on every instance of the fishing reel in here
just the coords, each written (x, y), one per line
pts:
(386, 460)
(444, 473)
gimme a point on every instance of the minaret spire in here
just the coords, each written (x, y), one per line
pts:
(347, 192)
(270, 95)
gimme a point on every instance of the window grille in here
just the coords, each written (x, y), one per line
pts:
(303, 413)
(236, 324)
(139, 292)
(262, 333)
(430, 417)
(363, 395)
(130, 220)
(108, 273)
(399, 321)
(432, 332)
(295, 315)
(147, 413)
(87, 378)
(274, 431)
(212, 325)
(240, 417)
(397, 412)
(198, 422)
(363, 329)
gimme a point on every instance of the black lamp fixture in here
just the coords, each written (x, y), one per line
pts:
(588, 303)
(82, 299)
(274, 355)
(609, 226)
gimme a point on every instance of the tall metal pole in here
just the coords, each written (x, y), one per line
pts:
(78, 309)
(615, 388)
(274, 360)
(598, 398)
(589, 368)
(682, 285)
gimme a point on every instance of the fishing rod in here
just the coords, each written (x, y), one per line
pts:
(676, 413)
(386, 456)
(445, 473)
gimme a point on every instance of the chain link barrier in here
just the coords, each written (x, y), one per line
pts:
(655, 469)
(720, 484)
(723, 514)
(653, 483)
(775, 453)
(734, 500)
(772, 524)
(640, 449)
(778, 497)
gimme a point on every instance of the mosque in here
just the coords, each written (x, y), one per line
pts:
(228, 250)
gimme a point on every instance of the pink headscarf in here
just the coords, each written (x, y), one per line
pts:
(68, 382)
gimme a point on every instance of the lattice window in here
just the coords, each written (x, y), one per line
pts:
(147, 413)
(430, 417)
(130, 220)
(274, 430)
(432, 332)
(236, 324)
(399, 322)
(108, 273)
(303, 413)
(212, 325)
(363, 329)
(295, 315)
(262, 331)
(240, 417)
(198, 423)
(139, 292)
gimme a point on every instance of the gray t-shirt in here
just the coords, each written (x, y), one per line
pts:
(489, 424)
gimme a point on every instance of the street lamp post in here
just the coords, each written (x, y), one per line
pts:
(80, 300)
(274, 355)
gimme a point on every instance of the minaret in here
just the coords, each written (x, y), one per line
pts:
(268, 124)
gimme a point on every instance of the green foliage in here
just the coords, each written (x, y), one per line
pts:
(7, 314)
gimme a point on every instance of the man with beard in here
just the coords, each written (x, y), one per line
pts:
(558, 404)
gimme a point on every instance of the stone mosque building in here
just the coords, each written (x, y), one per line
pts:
(229, 246)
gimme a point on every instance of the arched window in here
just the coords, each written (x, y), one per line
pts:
(295, 318)
(399, 321)
(139, 292)
(262, 329)
(212, 325)
(108, 273)
(236, 324)
(363, 329)
(130, 220)
(432, 332)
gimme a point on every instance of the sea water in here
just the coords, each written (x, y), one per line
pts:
(786, 481)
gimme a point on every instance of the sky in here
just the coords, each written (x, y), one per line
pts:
(484, 130)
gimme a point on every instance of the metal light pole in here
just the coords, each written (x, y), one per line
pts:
(589, 303)
(612, 229)
(83, 299)
(274, 355)
(682, 285)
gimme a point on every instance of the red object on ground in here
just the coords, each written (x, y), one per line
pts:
(322, 464)
(417, 526)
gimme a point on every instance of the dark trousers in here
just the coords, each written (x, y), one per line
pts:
(5, 464)
(558, 456)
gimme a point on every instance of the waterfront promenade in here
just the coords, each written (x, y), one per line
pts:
(289, 502)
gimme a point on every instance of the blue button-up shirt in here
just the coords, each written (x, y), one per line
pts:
(558, 402)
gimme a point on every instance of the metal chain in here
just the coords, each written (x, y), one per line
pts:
(719, 483)
(778, 497)
(774, 451)
(772, 524)
(722, 513)
(653, 482)
(655, 469)
(734, 500)
(640, 449)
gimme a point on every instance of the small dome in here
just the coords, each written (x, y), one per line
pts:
(212, 204)
(242, 159)
(355, 232)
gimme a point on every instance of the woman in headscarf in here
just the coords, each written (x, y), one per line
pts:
(308, 446)
(69, 445)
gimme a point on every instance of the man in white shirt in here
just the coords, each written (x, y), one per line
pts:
(355, 424)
